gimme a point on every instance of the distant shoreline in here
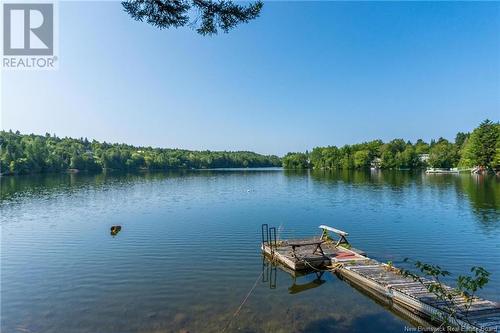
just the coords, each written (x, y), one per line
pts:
(235, 169)
(33, 154)
(478, 150)
(88, 172)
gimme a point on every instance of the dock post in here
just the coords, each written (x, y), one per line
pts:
(272, 239)
(266, 233)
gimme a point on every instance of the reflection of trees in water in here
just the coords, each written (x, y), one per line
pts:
(44, 184)
(395, 179)
(483, 192)
(38, 185)
(15, 186)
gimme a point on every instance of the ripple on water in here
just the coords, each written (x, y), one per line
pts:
(188, 250)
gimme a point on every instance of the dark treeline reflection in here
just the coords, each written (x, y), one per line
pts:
(360, 177)
(481, 191)
(44, 184)
(392, 178)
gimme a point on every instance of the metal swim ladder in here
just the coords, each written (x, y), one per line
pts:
(269, 237)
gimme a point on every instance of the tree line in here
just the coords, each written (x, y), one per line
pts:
(480, 148)
(26, 154)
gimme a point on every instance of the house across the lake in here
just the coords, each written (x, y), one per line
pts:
(376, 163)
(423, 157)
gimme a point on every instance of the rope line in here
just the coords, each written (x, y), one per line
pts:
(243, 302)
(308, 264)
(331, 268)
(334, 267)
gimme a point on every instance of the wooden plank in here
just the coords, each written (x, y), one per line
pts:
(371, 272)
(305, 242)
(391, 280)
(396, 283)
(424, 295)
(357, 267)
(410, 286)
(402, 285)
(373, 275)
(415, 288)
(432, 301)
(368, 268)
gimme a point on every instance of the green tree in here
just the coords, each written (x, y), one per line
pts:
(481, 147)
(407, 158)
(460, 139)
(443, 154)
(496, 159)
(20, 154)
(20, 166)
(207, 16)
(421, 147)
(295, 161)
(76, 162)
(388, 159)
(362, 159)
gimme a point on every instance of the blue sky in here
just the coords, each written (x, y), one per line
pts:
(304, 74)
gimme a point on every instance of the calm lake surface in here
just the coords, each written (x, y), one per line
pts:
(188, 253)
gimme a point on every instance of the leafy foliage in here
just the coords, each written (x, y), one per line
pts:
(443, 154)
(481, 148)
(23, 154)
(430, 276)
(213, 15)
(296, 161)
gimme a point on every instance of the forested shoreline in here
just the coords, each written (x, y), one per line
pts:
(480, 148)
(29, 154)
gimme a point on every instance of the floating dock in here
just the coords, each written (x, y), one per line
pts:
(380, 280)
(442, 171)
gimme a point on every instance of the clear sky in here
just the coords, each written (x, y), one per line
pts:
(303, 74)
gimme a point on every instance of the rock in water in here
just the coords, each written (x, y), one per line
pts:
(115, 229)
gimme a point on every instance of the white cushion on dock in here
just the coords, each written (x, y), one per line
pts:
(337, 231)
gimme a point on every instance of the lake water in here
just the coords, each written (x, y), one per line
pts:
(188, 253)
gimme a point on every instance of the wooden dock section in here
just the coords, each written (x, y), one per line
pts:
(380, 280)
(304, 257)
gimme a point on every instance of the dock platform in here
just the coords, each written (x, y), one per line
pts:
(379, 279)
(304, 258)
